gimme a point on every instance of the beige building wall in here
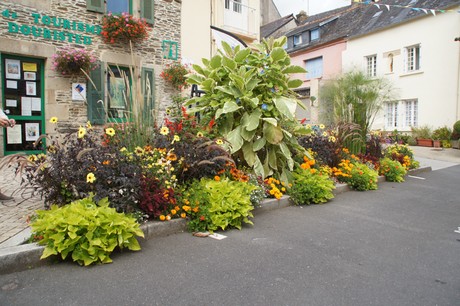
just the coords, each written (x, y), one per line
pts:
(436, 85)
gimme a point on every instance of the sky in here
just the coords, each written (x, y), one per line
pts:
(312, 7)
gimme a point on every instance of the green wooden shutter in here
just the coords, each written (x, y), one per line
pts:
(95, 6)
(148, 91)
(147, 10)
(96, 106)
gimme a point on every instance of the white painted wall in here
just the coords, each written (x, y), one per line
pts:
(437, 85)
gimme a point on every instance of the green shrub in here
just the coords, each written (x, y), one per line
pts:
(393, 170)
(311, 186)
(86, 230)
(422, 132)
(362, 178)
(222, 204)
(457, 127)
(249, 93)
(442, 133)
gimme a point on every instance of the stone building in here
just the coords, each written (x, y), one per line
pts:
(32, 92)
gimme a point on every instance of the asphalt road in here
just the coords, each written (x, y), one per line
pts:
(393, 246)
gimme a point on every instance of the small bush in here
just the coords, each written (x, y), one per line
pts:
(86, 230)
(392, 170)
(363, 178)
(311, 186)
(442, 133)
(221, 204)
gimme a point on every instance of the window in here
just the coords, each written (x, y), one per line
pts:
(237, 6)
(106, 94)
(391, 114)
(118, 6)
(401, 114)
(314, 68)
(297, 40)
(314, 34)
(413, 58)
(411, 113)
(371, 65)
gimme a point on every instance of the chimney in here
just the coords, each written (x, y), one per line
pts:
(301, 17)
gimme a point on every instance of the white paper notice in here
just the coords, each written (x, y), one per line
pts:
(11, 103)
(26, 106)
(12, 84)
(32, 131)
(13, 135)
(36, 104)
(31, 88)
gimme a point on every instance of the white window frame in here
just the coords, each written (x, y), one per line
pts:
(297, 39)
(401, 115)
(237, 6)
(371, 65)
(314, 34)
(227, 4)
(413, 58)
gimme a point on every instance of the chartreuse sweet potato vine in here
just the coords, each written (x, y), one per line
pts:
(249, 94)
(86, 230)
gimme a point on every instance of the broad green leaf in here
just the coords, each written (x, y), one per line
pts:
(218, 113)
(294, 69)
(294, 83)
(286, 106)
(227, 48)
(199, 69)
(272, 121)
(226, 125)
(249, 155)
(251, 84)
(253, 121)
(254, 102)
(229, 63)
(286, 152)
(273, 134)
(278, 54)
(259, 144)
(216, 62)
(235, 139)
(48, 252)
(241, 55)
(248, 135)
(133, 244)
(272, 161)
(230, 107)
(259, 168)
(195, 79)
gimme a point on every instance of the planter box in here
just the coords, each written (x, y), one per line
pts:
(424, 142)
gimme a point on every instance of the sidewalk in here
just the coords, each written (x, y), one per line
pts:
(13, 214)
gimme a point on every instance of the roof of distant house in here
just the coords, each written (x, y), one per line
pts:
(360, 19)
(271, 27)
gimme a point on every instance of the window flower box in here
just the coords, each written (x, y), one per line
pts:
(123, 29)
(424, 142)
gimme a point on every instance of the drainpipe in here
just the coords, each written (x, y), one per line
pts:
(457, 115)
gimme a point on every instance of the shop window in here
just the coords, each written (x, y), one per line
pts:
(108, 100)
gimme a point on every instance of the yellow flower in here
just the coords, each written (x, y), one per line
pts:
(219, 142)
(88, 125)
(139, 151)
(173, 212)
(110, 132)
(332, 139)
(90, 178)
(123, 149)
(176, 138)
(321, 126)
(164, 131)
(199, 134)
(324, 134)
(32, 158)
(168, 111)
(54, 120)
(183, 215)
(162, 217)
(81, 132)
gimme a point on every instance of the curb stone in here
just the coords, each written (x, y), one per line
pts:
(27, 256)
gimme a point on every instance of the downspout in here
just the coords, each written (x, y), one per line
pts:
(457, 115)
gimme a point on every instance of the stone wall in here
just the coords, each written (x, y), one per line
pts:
(57, 93)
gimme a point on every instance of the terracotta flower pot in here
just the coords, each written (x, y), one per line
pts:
(424, 142)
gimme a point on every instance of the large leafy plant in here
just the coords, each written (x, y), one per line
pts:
(86, 230)
(249, 94)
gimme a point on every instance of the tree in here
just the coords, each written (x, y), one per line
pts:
(356, 98)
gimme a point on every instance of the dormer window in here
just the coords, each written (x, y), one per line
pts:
(297, 40)
(314, 34)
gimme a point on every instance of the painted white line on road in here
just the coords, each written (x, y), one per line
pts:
(417, 177)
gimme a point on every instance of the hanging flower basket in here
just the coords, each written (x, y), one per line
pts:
(70, 62)
(175, 75)
(123, 28)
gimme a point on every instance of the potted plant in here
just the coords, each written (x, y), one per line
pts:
(123, 29)
(70, 62)
(423, 136)
(455, 136)
(441, 137)
(174, 74)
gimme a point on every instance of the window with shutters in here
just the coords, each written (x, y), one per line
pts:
(107, 96)
(314, 68)
(121, 6)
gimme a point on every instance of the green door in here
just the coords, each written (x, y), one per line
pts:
(23, 100)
